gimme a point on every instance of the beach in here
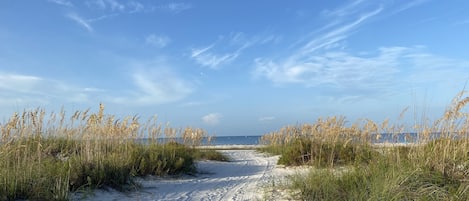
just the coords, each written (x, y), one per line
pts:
(249, 175)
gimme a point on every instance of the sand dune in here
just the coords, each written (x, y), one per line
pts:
(249, 176)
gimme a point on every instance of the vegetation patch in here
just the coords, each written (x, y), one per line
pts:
(209, 154)
(436, 167)
(47, 158)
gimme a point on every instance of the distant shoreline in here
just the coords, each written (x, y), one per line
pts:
(249, 147)
(231, 147)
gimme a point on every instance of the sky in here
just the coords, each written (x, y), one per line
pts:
(235, 67)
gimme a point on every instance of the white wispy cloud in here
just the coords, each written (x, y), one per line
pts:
(323, 62)
(330, 38)
(18, 82)
(345, 10)
(309, 64)
(212, 119)
(342, 74)
(339, 69)
(102, 17)
(117, 7)
(266, 119)
(34, 90)
(113, 5)
(204, 57)
(81, 21)
(62, 2)
(227, 49)
(154, 83)
(269, 39)
(135, 7)
(93, 89)
(409, 5)
(160, 87)
(99, 4)
(106, 9)
(192, 104)
(159, 41)
(430, 68)
(175, 7)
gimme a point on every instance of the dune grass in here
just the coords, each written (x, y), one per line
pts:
(327, 143)
(46, 157)
(210, 154)
(348, 166)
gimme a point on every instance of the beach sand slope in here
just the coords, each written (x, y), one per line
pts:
(249, 175)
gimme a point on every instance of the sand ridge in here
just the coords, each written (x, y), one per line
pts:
(249, 175)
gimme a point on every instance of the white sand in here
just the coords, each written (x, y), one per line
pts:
(249, 176)
(396, 144)
(230, 147)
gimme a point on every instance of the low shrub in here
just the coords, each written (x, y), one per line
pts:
(46, 161)
(379, 180)
(209, 154)
(304, 151)
(171, 158)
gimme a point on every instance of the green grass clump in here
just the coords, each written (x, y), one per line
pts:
(327, 143)
(209, 154)
(161, 160)
(379, 181)
(48, 158)
(348, 166)
(304, 151)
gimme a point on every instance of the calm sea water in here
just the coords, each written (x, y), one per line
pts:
(221, 140)
(255, 140)
(236, 140)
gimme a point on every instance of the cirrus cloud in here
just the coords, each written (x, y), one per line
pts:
(155, 83)
(62, 2)
(175, 7)
(35, 90)
(322, 60)
(81, 21)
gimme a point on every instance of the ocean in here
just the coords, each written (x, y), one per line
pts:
(384, 138)
(218, 140)
(255, 140)
(235, 140)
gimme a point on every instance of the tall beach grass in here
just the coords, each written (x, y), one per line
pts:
(48, 156)
(348, 165)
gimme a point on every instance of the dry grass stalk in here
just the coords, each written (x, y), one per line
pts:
(35, 147)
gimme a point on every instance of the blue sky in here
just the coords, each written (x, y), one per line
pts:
(234, 67)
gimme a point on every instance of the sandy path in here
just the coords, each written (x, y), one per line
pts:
(249, 176)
